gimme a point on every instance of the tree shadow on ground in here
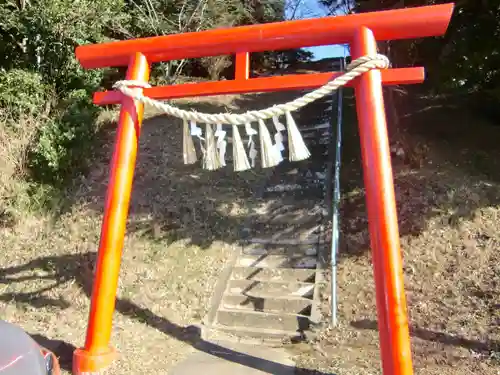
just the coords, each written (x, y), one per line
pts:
(172, 201)
(439, 337)
(457, 175)
(73, 268)
(421, 195)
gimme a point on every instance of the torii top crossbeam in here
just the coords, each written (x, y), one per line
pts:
(361, 32)
(386, 25)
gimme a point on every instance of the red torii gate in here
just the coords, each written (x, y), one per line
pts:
(361, 31)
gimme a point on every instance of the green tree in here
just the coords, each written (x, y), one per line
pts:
(38, 43)
(40, 76)
(465, 60)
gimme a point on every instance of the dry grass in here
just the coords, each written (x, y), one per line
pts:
(162, 289)
(14, 141)
(449, 215)
(183, 224)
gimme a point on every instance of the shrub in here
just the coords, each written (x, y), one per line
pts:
(22, 93)
(62, 141)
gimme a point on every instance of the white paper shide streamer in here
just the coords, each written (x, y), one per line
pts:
(297, 148)
(271, 146)
(221, 144)
(188, 150)
(252, 150)
(211, 160)
(269, 154)
(240, 159)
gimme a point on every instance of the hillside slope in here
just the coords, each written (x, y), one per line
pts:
(449, 215)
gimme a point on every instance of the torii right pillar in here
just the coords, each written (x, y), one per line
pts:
(382, 216)
(393, 324)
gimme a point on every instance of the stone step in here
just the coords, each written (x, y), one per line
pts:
(313, 190)
(255, 319)
(288, 214)
(311, 139)
(273, 274)
(324, 135)
(300, 306)
(290, 235)
(305, 176)
(271, 249)
(269, 289)
(318, 175)
(250, 335)
(307, 226)
(304, 181)
(291, 187)
(297, 183)
(276, 261)
(313, 142)
(317, 113)
(322, 126)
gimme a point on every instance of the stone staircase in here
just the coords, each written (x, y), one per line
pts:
(268, 293)
(268, 297)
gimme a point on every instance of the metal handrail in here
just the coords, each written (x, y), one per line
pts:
(336, 201)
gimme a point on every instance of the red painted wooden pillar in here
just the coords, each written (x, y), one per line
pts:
(97, 353)
(382, 216)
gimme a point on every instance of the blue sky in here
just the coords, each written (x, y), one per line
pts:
(312, 9)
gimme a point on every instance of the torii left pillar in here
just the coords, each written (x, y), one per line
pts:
(97, 353)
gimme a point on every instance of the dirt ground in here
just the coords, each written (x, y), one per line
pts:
(449, 216)
(184, 222)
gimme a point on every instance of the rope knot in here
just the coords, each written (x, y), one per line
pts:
(377, 61)
(131, 84)
(382, 61)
